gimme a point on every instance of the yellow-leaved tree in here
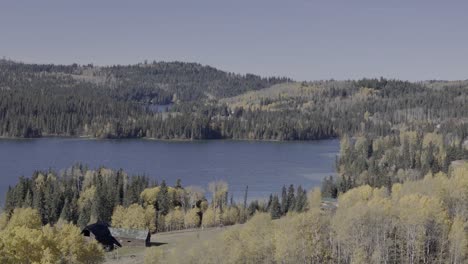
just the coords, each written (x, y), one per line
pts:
(24, 240)
(26, 217)
(174, 220)
(191, 218)
(134, 217)
(458, 238)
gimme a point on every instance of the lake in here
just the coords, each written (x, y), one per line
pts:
(264, 166)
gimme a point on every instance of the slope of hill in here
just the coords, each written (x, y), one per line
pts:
(119, 102)
(157, 82)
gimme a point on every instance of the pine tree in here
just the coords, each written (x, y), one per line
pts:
(245, 196)
(84, 216)
(275, 209)
(66, 213)
(74, 213)
(163, 199)
(253, 208)
(39, 204)
(329, 188)
(119, 188)
(284, 200)
(9, 200)
(51, 202)
(344, 184)
(102, 208)
(406, 156)
(270, 200)
(20, 191)
(301, 199)
(28, 202)
(178, 184)
(291, 201)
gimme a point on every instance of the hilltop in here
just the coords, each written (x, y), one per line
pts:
(156, 82)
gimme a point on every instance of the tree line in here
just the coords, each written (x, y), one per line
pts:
(82, 196)
(421, 221)
(380, 161)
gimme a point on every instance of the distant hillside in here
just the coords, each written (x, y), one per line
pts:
(157, 82)
(206, 103)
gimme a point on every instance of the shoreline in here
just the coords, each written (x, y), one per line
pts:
(165, 140)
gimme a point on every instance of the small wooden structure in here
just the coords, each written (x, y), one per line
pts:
(132, 237)
(102, 234)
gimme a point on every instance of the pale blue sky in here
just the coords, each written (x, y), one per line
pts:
(305, 40)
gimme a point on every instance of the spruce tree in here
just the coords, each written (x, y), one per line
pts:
(51, 202)
(245, 203)
(39, 204)
(163, 199)
(74, 213)
(270, 199)
(66, 212)
(20, 191)
(245, 195)
(119, 188)
(284, 200)
(9, 200)
(301, 199)
(102, 208)
(28, 202)
(84, 216)
(178, 184)
(291, 201)
(275, 209)
(253, 208)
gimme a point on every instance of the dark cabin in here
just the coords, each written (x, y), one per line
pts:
(132, 237)
(102, 234)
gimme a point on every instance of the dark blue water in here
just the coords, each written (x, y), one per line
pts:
(264, 166)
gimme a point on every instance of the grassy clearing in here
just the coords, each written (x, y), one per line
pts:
(182, 240)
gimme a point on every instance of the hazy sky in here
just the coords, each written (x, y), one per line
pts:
(305, 40)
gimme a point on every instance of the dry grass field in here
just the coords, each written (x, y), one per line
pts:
(183, 240)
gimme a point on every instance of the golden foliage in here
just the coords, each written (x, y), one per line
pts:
(23, 242)
(174, 220)
(314, 198)
(134, 217)
(231, 216)
(417, 222)
(254, 243)
(458, 238)
(191, 218)
(301, 238)
(3, 220)
(25, 217)
(210, 218)
(149, 195)
(87, 196)
(219, 190)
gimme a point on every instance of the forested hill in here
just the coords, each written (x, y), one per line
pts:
(206, 103)
(157, 82)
